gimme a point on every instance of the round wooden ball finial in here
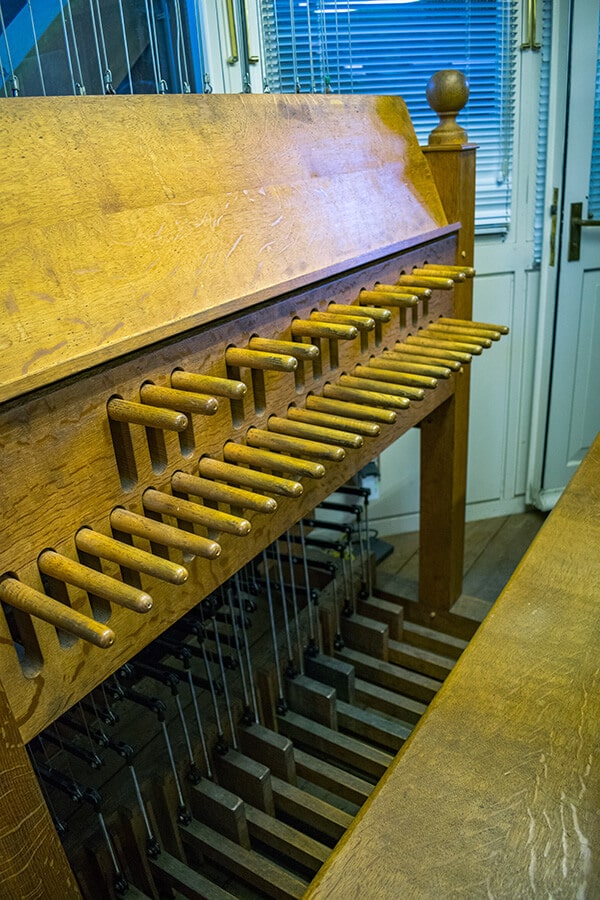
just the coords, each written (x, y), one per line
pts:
(447, 93)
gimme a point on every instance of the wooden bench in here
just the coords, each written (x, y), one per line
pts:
(497, 792)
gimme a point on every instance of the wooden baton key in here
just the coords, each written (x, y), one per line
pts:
(291, 348)
(379, 314)
(239, 475)
(277, 462)
(166, 504)
(467, 323)
(362, 323)
(355, 427)
(357, 396)
(257, 359)
(427, 281)
(428, 356)
(314, 432)
(439, 272)
(222, 493)
(104, 547)
(26, 599)
(160, 533)
(392, 297)
(150, 416)
(332, 330)
(362, 375)
(343, 408)
(407, 365)
(184, 401)
(208, 384)
(72, 572)
(268, 440)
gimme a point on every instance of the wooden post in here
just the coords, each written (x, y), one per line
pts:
(444, 434)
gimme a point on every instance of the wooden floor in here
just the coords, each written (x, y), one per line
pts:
(493, 549)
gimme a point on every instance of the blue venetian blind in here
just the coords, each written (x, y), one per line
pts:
(389, 47)
(594, 191)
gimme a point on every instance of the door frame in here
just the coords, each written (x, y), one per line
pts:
(555, 165)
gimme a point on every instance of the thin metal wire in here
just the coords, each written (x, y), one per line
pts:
(80, 83)
(102, 40)
(162, 84)
(67, 47)
(152, 48)
(95, 30)
(185, 82)
(37, 49)
(8, 54)
(125, 46)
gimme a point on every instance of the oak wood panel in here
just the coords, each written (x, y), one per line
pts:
(128, 219)
(69, 477)
(496, 792)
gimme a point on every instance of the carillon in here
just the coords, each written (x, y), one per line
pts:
(204, 342)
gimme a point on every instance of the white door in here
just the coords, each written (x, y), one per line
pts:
(574, 407)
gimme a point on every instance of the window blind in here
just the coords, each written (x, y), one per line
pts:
(542, 139)
(594, 191)
(389, 47)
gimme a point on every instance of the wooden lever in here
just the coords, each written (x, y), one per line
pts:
(447, 339)
(26, 599)
(209, 384)
(439, 272)
(267, 440)
(71, 572)
(439, 331)
(438, 349)
(467, 271)
(362, 323)
(221, 493)
(214, 468)
(378, 368)
(369, 378)
(352, 410)
(373, 398)
(354, 427)
(417, 365)
(314, 432)
(184, 401)
(104, 547)
(167, 505)
(485, 334)
(277, 462)
(332, 330)
(426, 355)
(256, 359)
(387, 298)
(423, 293)
(150, 416)
(379, 314)
(427, 281)
(467, 323)
(292, 348)
(160, 533)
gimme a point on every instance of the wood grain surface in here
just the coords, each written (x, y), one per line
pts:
(496, 794)
(129, 219)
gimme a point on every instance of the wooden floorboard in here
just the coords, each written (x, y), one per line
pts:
(493, 549)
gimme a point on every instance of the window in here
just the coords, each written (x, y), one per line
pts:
(393, 47)
(99, 46)
(357, 46)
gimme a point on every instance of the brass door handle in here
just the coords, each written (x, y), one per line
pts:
(577, 223)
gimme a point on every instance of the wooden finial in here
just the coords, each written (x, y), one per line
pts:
(447, 93)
